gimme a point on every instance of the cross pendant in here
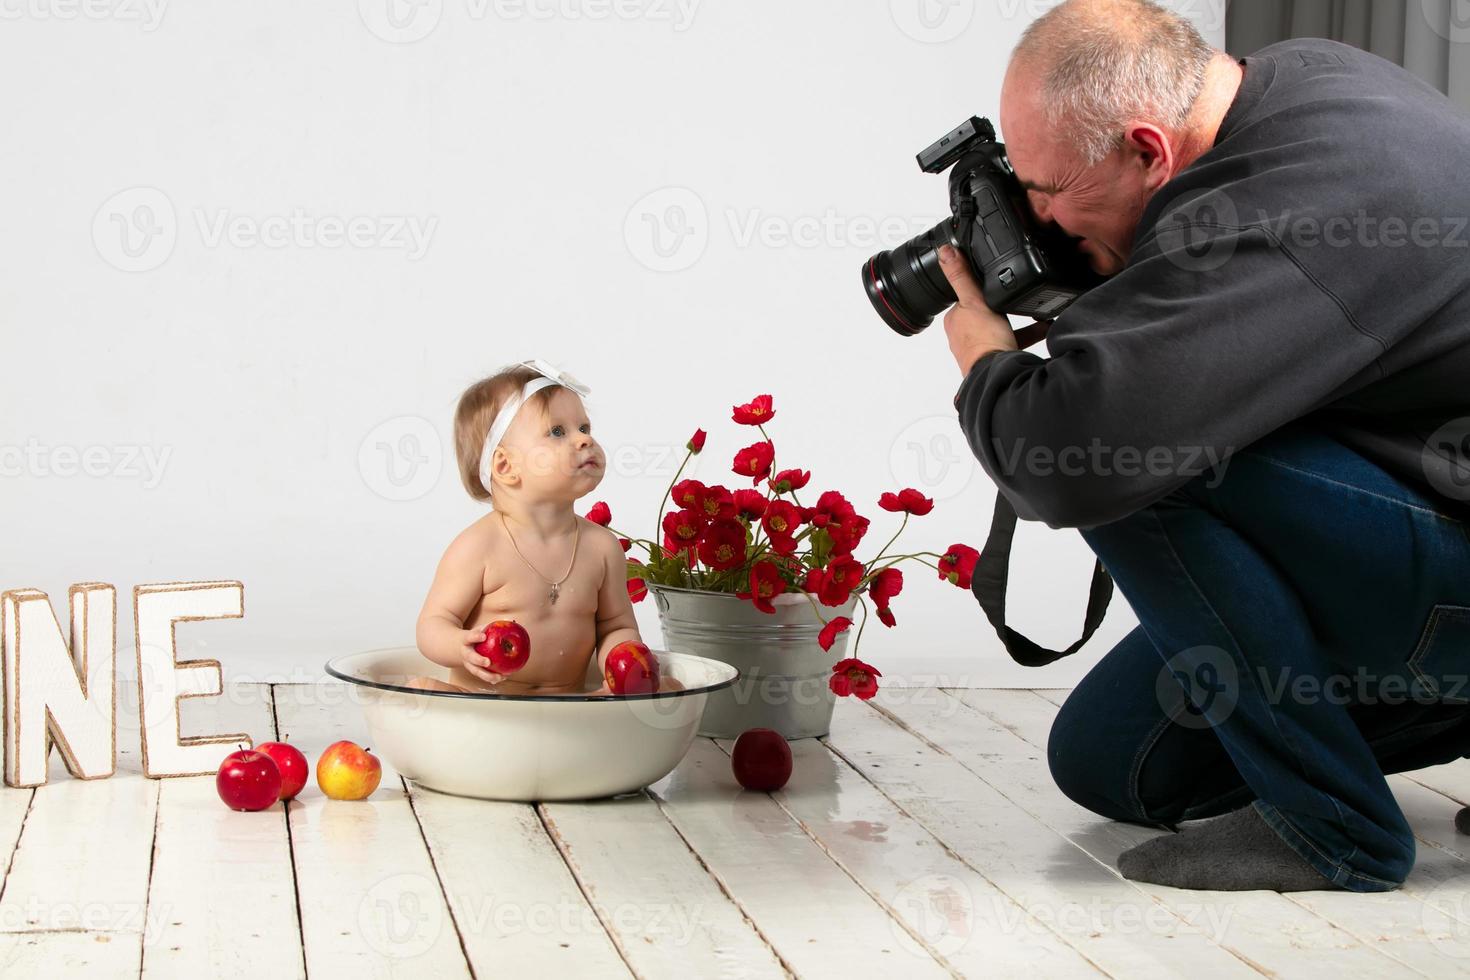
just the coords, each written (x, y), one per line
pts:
(555, 589)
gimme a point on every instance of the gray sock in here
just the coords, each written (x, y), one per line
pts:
(1234, 852)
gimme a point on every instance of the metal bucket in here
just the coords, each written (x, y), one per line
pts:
(784, 672)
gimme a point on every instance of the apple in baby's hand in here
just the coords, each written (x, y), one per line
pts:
(248, 780)
(631, 668)
(761, 760)
(507, 644)
(347, 771)
(291, 762)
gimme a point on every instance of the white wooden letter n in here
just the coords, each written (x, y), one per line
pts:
(56, 695)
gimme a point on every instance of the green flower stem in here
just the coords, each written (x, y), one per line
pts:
(815, 608)
(647, 544)
(688, 454)
(898, 558)
(890, 541)
(773, 460)
(859, 638)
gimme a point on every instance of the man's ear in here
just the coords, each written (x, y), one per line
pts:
(1154, 150)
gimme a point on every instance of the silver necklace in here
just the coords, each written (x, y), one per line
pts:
(555, 586)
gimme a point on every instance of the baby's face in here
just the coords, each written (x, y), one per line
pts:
(556, 453)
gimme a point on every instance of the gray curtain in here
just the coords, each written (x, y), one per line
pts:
(1431, 38)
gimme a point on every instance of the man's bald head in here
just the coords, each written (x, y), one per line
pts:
(1091, 66)
(1103, 103)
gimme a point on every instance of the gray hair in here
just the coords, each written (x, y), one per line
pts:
(1104, 62)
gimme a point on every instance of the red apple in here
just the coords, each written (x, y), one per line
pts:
(347, 771)
(507, 644)
(761, 760)
(291, 762)
(248, 780)
(631, 668)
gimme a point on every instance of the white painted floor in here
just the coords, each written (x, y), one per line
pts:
(922, 838)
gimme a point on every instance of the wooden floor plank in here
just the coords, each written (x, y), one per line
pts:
(1115, 925)
(949, 907)
(15, 803)
(371, 903)
(819, 922)
(519, 910)
(239, 919)
(668, 915)
(67, 955)
(1451, 779)
(1261, 927)
(1056, 695)
(83, 857)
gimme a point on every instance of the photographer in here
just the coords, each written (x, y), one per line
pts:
(1260, 425)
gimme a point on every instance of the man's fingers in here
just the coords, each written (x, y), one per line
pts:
(957, 271)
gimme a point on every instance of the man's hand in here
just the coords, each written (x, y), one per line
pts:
(974, 329)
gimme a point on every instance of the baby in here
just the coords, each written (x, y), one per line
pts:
(524, 444)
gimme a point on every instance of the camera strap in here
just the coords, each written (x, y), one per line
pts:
(988, 583)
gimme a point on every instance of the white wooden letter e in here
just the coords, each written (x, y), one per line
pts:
(163, 678)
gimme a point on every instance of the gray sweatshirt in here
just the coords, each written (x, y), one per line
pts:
(1314, 262)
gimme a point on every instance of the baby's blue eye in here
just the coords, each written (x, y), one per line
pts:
(556, 430)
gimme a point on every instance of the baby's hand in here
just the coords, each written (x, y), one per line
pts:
(476, 663)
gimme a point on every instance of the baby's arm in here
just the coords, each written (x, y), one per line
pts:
(458, 586)
(615, 620)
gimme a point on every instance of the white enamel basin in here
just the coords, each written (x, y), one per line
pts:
(527, 747)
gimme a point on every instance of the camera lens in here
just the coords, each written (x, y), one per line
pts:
(906, 285)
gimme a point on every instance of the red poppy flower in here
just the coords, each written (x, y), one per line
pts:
(847, 535)
(845, 526)
(723, 545)
(781, 522)
(765, 584)
(755, 461)
(908, 501)
(834, 584)
(852, 676)
(637, 588)
(687, 493)
(684, 554)
(696, 442)
(757, 411)
(781, 519)
(750, 504)
(714, 502)
(627, 543)
(600, 514)
(828, 636)
(789, 480)
(885, 615)
(885, 585)
(832, 507)
(682, 529)
(958, 565)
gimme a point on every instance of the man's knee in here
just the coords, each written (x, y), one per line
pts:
(1091, 772)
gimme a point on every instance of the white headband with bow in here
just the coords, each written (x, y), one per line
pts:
(550, 375)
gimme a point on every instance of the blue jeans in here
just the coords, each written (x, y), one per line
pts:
(1304, 629)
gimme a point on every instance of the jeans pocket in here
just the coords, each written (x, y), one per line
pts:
(1441, 661)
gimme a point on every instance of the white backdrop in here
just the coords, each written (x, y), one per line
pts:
(255, 251)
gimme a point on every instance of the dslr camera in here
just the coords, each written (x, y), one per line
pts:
(1023, 267)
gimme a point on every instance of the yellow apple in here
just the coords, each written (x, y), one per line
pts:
(347, 771)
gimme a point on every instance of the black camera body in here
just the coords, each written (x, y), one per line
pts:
(1023, 268)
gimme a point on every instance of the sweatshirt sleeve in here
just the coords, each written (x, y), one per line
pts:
(1194, 350)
